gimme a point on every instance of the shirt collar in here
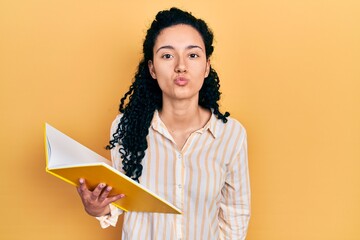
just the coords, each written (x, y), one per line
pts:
(211, 126)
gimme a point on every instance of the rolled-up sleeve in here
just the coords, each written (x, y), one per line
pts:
(234, 213)
(110, 219)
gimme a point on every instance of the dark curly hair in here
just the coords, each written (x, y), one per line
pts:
(144, 96)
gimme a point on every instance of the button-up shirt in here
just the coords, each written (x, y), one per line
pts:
(207, 179)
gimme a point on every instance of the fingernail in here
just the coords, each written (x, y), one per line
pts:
(122, 195)
(81, 181)
(102, 185)
(109, 188)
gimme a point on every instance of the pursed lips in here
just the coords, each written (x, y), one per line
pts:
(181, 81)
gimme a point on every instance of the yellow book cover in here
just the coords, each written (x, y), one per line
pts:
(69, 160)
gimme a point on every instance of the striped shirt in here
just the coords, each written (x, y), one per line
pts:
(207, 179)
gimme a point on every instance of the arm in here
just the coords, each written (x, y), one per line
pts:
(97, 203)
(234, 213)
(112, 213)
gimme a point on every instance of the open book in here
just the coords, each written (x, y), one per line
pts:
(69, 160)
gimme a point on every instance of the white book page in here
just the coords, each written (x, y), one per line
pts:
(63, 151)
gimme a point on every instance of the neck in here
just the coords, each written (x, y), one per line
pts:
(183, 116)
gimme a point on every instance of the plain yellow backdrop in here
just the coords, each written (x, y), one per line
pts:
(289, 70)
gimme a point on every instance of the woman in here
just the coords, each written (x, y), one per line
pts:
(172, 138)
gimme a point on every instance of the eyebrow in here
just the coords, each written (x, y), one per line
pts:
(172, 48)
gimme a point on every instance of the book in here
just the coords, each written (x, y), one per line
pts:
(69, 160)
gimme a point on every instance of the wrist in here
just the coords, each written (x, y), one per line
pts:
(106, 212)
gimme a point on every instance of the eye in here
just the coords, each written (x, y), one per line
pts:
(167, 56)
(193, 55)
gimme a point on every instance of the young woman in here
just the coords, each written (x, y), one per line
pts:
(171, 137)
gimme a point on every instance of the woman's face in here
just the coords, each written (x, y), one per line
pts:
(179, 64)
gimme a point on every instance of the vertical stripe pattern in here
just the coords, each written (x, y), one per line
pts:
(208, 180)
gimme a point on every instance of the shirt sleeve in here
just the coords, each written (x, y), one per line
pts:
(234, 213)
(110, 219)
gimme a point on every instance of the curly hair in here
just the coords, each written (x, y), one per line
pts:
(145, 96)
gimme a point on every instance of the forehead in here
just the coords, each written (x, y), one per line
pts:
(177, 35)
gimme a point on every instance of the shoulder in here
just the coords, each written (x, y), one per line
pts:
(115, 123)
(232, 124)
(237, 135)
(117, 118)
(232, 131)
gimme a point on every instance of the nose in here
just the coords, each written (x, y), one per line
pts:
(180, 66)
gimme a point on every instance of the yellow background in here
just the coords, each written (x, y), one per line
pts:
(289, 70)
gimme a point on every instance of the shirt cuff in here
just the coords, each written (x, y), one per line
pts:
(110, 219)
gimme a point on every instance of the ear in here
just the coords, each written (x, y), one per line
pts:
(207, 69)
(151, 69)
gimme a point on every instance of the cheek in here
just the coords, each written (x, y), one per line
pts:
(201, 70)
(162, 69)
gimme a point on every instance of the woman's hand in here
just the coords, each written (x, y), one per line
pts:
(96, 202)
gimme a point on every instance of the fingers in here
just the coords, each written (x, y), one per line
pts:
(104, 197)
(97, 191)
(84, 190)
(115, 198)
(105, 193)
(82, 186)
(99, 194)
